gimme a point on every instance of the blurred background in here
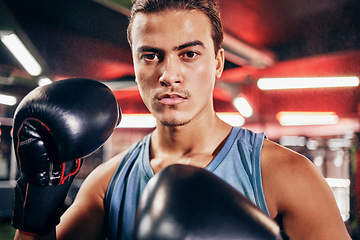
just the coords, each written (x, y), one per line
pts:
(291, 71)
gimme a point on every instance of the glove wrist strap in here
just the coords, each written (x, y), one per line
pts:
(38, 209)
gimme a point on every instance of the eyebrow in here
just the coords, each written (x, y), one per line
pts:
(189, 44)
(149, 49)
(177, 48)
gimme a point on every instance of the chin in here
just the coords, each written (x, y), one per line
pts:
(174, 123)
(173, 117)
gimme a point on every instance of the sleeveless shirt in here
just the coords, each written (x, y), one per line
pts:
(238, 163)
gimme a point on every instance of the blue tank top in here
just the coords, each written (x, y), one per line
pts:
(238, 163)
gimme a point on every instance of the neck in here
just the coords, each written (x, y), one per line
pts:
(193, 137)
(192, 144)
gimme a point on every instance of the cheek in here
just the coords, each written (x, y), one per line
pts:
(204, 77)
(146, 89)
(144, 78)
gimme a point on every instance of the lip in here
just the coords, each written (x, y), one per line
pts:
(171, 99)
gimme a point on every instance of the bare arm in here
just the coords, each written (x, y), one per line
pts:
(85, 219)
(296, 190)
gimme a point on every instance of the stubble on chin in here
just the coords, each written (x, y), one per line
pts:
(173, 122)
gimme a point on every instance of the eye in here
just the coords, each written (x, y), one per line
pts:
(189, 55)
(150, 57)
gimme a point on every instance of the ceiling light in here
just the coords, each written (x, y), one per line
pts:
(311, 82)
(21, 53)
(243, 106)
(44, 81)
(137, 121)
(233, 119)
(7, 100)
(293, 141)
(338, 182)
(307, 118)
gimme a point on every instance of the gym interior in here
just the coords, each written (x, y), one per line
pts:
(292, 71)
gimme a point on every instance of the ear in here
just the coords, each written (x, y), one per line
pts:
(220, 61)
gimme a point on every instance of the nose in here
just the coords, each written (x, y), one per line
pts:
(170, 72)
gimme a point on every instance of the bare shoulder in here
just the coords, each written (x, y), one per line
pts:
(295, 190)
(85, 218)
(279, 165)
(275, 157)
(101, 176)
(275, 152)
(285, 171)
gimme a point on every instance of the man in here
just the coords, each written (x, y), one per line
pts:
(177, 54)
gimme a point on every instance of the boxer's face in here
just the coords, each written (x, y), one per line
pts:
(175, 64)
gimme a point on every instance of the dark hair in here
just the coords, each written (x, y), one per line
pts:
(209, 7)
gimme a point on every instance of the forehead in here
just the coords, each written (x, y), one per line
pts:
(171, 27)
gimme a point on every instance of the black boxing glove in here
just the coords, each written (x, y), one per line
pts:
(186, 202)
(55, 127)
